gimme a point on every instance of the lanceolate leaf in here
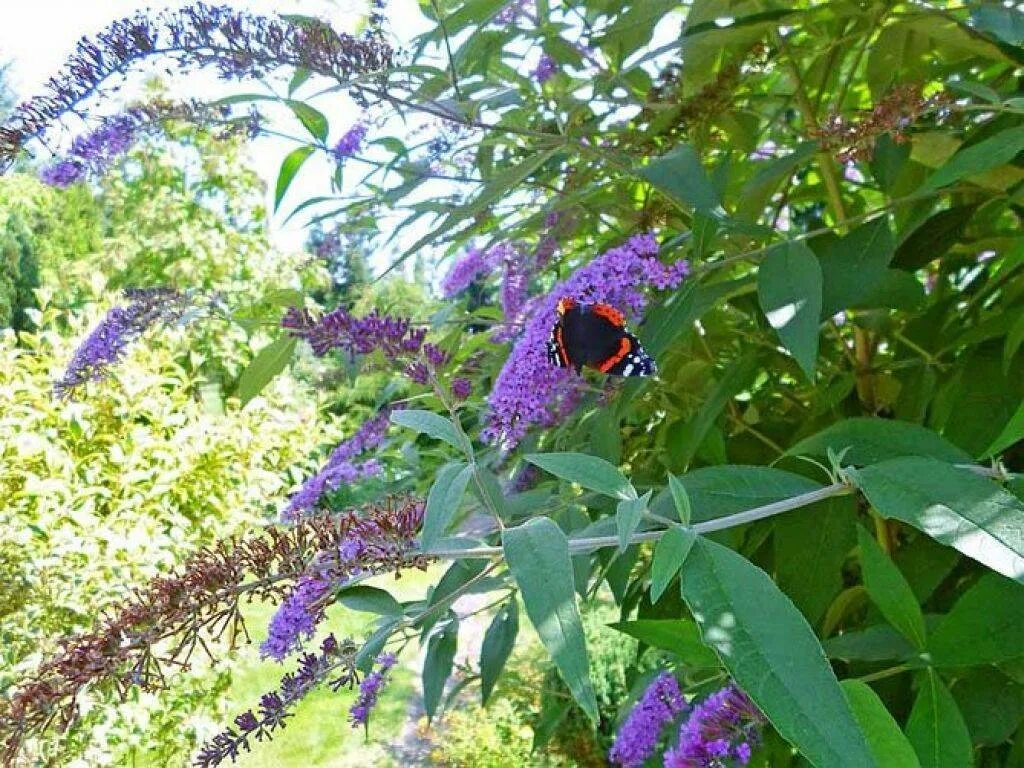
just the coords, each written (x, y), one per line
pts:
(886, 740)
(936, 728)
(437, 666)
(499, 640)
(889, 590)
(684, 510)
(269, 362)
(680, 175)
(983, 156)
(538, 556)
(443, 501)
(678, 636)
(589, 471)
(954, 506)
(669, 554)
(868, 441)
(724, 490)
(985, 626)
(432, 424)
(789, 286)
(289, 168)
(772, 653)
(370, 600)
(627, 518)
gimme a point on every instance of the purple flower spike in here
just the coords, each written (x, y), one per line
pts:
(351, 142)
(546, 69)
(94, 152)
(341, 468)
(62, 174)
(721, 731)
(369, 690)
(472, 264)
(639, 734)
(529, 386)
(296, 618)
(109, 340)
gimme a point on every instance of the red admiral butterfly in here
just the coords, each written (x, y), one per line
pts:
(595, 335)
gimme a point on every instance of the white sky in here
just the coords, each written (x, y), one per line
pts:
(36, 36)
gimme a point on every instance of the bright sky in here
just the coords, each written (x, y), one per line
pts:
(35, 38)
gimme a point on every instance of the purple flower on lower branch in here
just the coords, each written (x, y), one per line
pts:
(529, 385)
(721, 731)
(369, 690)
(637, 738)
(296, 618)
(109, 340)
(341, 467)
(335, 659)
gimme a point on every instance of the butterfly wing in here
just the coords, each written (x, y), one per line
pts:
(631, 359)
(558, 356)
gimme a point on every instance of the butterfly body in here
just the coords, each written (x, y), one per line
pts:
(595, 335)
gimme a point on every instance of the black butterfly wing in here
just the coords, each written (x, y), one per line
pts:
(631, 359)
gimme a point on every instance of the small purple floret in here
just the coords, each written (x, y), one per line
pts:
(546, 69)
(369, 690)
(296, 618)
(721, 730)
(351, 142)
(637, 738)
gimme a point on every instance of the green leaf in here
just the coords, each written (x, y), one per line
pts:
(724, 490)
(936, 728)
(311, 118)
(443, 501)
(933, 237)
(684, 511)
(499, 640)
(369, 600)
(537, 553)
(954, 506)
(977, 158)
(678, 636)
(669, 554)
(985, 625)
(815, 539)
(888, 161)
(789, 286)
(869, 441)
(437, 666)
(1005, 23)
(889, 590)
(1013, 341)
(433, 425)
(681, 309)
(992, 705)
(269, 362)
(854, 268)
(1012, 433)
(887, 742)
(876, 643)
(589, 471)
(758, 191)
(772, 653)
(680, 175)
(733, 380)
(627, 517)
(289, 167)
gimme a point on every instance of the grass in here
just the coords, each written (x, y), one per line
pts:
(320, 733)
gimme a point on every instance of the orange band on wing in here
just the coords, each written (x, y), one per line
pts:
(611, 314)
(624, 348)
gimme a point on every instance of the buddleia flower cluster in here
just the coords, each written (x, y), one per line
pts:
(341, 467)
(107, 343)
(369, 690)
(529, 386)
(163, 623)
(639, 734)
(237, 44)
(397, 338)
(334, 664)
(721, 731)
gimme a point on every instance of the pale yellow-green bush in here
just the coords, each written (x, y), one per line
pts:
(102, 492)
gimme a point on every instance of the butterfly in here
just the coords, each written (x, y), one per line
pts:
(595, 335)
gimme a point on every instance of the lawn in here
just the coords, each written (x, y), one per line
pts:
(320, 733)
